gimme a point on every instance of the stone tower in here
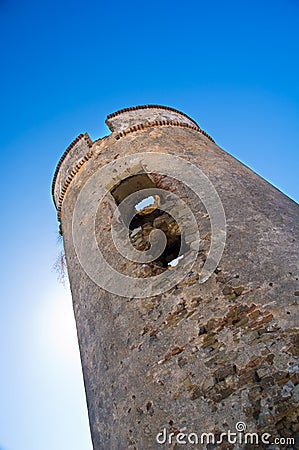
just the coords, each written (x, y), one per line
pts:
(183, 267)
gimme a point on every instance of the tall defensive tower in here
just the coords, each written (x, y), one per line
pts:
(183, 267)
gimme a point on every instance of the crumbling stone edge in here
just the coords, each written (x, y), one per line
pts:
(72, 144)
(68, 182)
(159, 123)
(136, 108)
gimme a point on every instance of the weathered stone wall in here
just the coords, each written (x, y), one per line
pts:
(200, 357)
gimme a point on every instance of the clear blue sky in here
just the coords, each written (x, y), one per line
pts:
(231, 65)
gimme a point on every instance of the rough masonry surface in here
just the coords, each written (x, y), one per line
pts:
(200, 357)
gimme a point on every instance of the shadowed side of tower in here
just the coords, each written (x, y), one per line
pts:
(193, 356)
